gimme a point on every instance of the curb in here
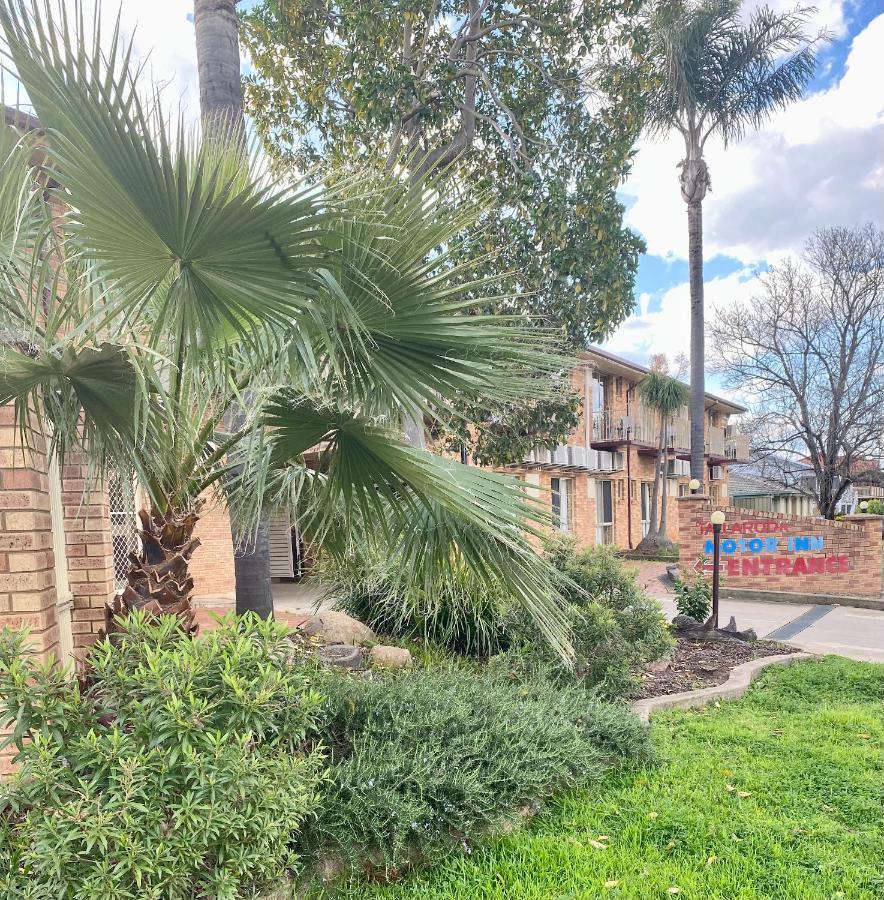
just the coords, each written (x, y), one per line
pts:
(737, 685)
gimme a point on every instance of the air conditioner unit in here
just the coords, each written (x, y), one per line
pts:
(677, 468)
(542, 456)
(560, 455)
(577, 457)
(716, 473)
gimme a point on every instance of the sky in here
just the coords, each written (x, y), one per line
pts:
(818, 163)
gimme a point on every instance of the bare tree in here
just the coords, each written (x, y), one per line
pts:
(809, 349)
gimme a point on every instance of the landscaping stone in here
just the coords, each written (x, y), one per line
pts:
(389, 657)
(334, 627)
(343, 656)
(689, 627)
(747, 635)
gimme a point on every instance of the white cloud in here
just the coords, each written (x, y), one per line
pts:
(667, 329)
(819, 162)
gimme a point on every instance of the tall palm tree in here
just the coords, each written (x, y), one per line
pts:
(184, 278)
(666, 396)
(714, 73)
(221, 107)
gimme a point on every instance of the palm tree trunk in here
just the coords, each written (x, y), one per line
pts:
(217, 52)
(662, 536)
(159, 582)
(698, 379)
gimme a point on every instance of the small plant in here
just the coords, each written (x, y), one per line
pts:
(181, 771)
(693, 597)
(875, 508)
(425, 761)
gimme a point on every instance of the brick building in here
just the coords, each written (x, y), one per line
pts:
(600, 483)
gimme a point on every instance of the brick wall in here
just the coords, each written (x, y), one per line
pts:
(212, 567)
(89, 550)
(785, 553)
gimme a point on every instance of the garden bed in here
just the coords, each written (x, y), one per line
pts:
(699, 664)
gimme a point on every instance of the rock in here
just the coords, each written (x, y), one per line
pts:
(343, 656)
(732, 631)
(389, 657)
(707, 665)
(682, 622)
(334, 627)
(659, 666)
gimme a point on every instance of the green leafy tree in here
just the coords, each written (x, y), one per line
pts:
(530, 104)
(184, 278)
(664, 395)
(716, 73)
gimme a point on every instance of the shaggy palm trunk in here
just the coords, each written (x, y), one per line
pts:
(662, 536)
(649, 541)
(217, 52)
(698, 378)
(159, 582)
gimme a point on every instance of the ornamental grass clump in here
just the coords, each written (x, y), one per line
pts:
(181, 769)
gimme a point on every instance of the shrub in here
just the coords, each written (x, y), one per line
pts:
(424, 760)
(693, 597)
(875, 508)
(458, 612)
(181, 771)
(616, 626)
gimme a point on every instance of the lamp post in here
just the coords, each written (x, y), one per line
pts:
(864, 507)
(717, 520)
(694, 485)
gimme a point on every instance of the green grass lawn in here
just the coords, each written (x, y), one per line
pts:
(779, 795)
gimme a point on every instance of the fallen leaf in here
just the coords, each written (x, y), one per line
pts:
(744, 793)
(598, 845)
(612, 883)
(726, 773)
(604, 837)
(653, 815)
(673, 890)
(730, 788)
(670, 845)
(711, 860)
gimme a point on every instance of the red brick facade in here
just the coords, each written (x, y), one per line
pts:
(784, 553)
(212, 564)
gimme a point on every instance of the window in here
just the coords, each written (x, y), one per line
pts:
(124, 529)
(599, 393)
(604, 512)
(562, 502)
(646, 506)
(683, 489)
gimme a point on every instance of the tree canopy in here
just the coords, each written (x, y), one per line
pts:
(533, 105)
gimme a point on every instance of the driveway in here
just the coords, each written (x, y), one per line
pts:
(842, 630)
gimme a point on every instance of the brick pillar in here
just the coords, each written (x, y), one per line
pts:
(693, 511)
(89, 551)
(869, 560)
(27, 566)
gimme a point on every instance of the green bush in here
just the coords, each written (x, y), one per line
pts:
(616, 627)
(180, 772)
(459, 613)
(693, 597)
(875, 508)
(426, 760)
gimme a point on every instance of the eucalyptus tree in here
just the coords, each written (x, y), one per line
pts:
(183, 278)
(664, 395)
(530, 104)
(717, 73)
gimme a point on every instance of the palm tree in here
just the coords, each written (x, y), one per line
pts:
(217, 51)
(716, 74)
(183, 278)
(666, 396)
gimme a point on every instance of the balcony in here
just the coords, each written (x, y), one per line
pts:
(714, 441)
(736, 445)
(642, 426)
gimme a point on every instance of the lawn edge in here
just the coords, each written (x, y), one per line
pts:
(738, 683)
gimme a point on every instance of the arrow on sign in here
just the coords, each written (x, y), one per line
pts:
(704, 568)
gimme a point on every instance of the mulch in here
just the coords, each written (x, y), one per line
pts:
(699, 664)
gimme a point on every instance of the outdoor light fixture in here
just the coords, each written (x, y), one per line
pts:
(717, 520)
(863, 507)
(694, 485)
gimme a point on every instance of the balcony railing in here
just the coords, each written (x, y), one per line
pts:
(714, 440)
(642, 426)
(736, 446)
